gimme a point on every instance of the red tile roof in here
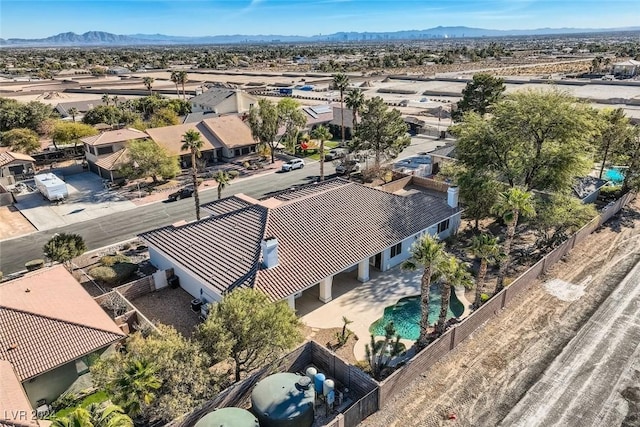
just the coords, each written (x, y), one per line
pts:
(15, 409)
(8, 157)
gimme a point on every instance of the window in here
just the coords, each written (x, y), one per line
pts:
(396, 250)
(443, 226)
(105, 150)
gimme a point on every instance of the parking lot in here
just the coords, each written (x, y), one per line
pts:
(88, 199)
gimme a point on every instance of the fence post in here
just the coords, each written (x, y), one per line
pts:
(504, 297)
(453, 339)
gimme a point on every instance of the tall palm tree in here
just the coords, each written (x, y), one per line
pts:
(106, 99)
(427, 253)
(182, 79)
(175, 78)
(511, 205)
(355, 101)
(453, 273)
(341, 83)
(148, 82)
(136, 387)
(322, 134)
(222, 178)
(193, 142)
(485, 247)
(73, 112)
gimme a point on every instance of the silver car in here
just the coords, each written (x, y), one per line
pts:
(293, 164)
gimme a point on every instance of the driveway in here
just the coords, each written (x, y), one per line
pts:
(87, 200)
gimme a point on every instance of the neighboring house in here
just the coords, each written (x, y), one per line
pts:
(337, 117)
(15, 164)
(628, 68)
(587, 188)
(299, 239)
(82, 107)
(118, 70)
(318, 115)
(224, 138)
(50, 328)
(223, 101)
(106, 152)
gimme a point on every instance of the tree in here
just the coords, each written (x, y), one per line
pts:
(248, 328)
(184, 78)
(382, 131)
(341, 83)
(14, 114)
(66, 132)
(355, 101)
(427, 253)
(193, 142)
(264, 123)
(380, 353)
(146, 159)
(175, 78)
(222, 178)
(453, 273)
(533, 139)
(291, 117)
(180, 78)
(63, 247)
(484, 247)
(73, 112)
(629, 154)
(615, 129)
(21, 140)
(559, 216)
(106, 99)
(148, 83)
(322, 134)
(95, 415)
(102, 114)
(479, 94)
(164, 117)
(511, 205)
(136, 387)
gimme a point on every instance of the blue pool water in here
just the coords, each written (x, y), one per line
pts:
(614, 175)
(405, 314)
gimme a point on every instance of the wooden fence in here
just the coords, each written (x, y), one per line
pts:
(454, 336)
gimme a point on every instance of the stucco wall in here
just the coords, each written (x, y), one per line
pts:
(51, 385)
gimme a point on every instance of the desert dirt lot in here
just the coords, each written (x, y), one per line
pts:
(485, 377)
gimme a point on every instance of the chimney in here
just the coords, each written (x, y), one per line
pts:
(452, 196)
(270, 252)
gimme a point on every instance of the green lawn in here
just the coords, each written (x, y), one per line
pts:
(328, 145)
(97, 397)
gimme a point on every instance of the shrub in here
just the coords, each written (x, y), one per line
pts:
(484, 298)
(125, 270)
(115, 274)
(34, 264)
(233, 174)
(110, 260)
(126, 246)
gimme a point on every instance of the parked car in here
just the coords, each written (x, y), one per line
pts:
(181, 194)
(336, 153)
(348, 167)
(293, 164)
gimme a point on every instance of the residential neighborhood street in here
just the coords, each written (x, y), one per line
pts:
(120, 226)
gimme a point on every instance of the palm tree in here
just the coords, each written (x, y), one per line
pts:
(95, 415)
(175, 78)
(511, 204)
(136, 387)
(148, 82)
(73, 112)
(341, 83)
(182, 78)
(453, 274)
(115, 100)
(106, 99)
(355, 101)
(193, 142)
(322, 134)
(427, 253)
(223, 179)
(485, 247)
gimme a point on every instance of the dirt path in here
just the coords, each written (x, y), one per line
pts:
(486, 376)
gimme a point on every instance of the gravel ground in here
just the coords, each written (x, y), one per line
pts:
(170, 307)
(486, 376)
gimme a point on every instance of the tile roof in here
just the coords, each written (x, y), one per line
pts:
(113, 136)
(198, 117)
(8, 157)
(230, 130)
(48, 319)
(321, 229)
(15, 409)
(224, 206)
(114, 161)
(307, 189)
(212, 97)
(222, 251)
(82, 106)
(172, 137)
(318, 114)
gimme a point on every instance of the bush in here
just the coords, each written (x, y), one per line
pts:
(125, 270)
(233, 174)
(114, 275)
(110, 260)
(126, 246)
(34, 264)
(484, 298)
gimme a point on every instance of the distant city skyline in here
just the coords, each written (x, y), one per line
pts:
(37, 19)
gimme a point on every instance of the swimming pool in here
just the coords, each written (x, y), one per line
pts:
(405, 314)
(614, 175)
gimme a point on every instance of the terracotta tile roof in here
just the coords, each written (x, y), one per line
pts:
(224, 206)
(216, 95)
(15, 409)
(230, 130)
(113, 136)
(9, 157)
(318, 114)
(222, 251)
(114, 161)
(321, 230)
(308, 189)
(171, 137)
(48, 319)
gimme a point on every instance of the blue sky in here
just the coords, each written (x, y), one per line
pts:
(34, 19)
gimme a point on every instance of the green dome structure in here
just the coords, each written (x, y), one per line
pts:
(284, 400)
(228, 417)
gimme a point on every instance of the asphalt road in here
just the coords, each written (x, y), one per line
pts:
(117, 227)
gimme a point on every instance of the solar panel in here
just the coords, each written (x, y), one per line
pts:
(310, 112)
(322, 109)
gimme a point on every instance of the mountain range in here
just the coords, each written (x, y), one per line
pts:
(101, 38)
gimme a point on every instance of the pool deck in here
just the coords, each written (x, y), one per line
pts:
(364, 303)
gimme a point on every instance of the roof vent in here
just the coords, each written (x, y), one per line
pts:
(269, 252)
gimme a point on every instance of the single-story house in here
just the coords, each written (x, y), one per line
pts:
(628, 68)
(106, 152)
(223, 101)
(318, 115)
(15, 408)
(15, 164)
(50, 328)
(81, 106)
(587, 188)
(299, 239)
